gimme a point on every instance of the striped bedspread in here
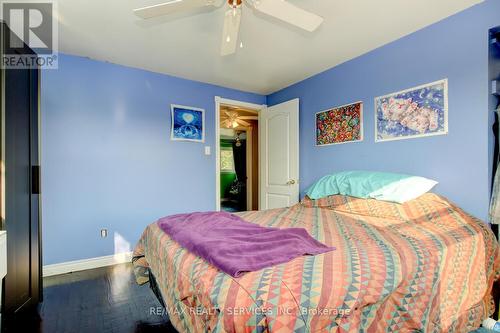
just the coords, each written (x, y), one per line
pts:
(422, 266)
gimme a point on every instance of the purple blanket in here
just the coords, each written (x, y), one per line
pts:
(235, 246)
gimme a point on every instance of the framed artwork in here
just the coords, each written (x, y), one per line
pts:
(339, 125)
(188, 123)
(227, 160)
(412, 113)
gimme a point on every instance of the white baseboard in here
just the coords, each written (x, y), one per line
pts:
(81, 265)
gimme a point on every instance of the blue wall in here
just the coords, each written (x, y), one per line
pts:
(108, 161)
(455, 48)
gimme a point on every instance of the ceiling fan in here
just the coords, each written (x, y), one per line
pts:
(279, 9)
(231, 119)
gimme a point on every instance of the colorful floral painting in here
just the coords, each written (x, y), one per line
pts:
(187, 124)
(340, 125)
(416, 112)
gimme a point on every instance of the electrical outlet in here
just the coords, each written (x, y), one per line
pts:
(104, 233)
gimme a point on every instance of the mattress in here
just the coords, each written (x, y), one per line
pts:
(425, 265)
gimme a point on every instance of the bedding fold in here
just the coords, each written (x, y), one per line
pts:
(236, 246)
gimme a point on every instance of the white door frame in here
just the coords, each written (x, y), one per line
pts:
(218, 102)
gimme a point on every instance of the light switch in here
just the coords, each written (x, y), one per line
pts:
(495, 87)
(208, 151)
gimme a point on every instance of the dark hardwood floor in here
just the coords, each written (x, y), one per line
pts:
(98, 300)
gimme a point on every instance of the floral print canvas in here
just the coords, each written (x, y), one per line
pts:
(340, 125)
(416, 112)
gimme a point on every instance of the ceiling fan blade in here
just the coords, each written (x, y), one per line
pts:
(173, 6)
(232, 20)
(248, 117)
(289, 13)
(242, 122)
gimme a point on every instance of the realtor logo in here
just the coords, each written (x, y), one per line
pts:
(31, 37)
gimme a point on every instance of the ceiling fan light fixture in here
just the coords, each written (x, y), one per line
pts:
(279, 9)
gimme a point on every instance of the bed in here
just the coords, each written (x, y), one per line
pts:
(424, 265)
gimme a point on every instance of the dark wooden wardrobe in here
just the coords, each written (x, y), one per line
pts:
(20, 198)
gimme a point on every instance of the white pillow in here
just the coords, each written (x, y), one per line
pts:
(404, 190)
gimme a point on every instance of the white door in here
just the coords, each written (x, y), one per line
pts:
(279, 155)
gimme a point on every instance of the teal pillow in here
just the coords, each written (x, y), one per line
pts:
(374, 185)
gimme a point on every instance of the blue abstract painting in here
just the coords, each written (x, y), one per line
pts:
(412, 113)
(188, 124)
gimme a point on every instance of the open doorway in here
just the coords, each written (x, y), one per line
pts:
(237, 156)
(238, 159)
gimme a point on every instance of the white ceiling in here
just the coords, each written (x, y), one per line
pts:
(274, 55)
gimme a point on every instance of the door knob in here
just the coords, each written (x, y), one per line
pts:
(290, 182)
